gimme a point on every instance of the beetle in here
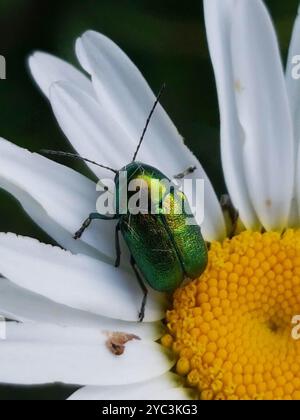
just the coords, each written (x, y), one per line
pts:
(164, 248)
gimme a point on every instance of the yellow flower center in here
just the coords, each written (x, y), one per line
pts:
(232, 327)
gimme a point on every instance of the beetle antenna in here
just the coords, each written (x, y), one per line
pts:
(75, 156)
(148, 120)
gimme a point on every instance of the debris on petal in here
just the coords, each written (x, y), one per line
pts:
(117, 340)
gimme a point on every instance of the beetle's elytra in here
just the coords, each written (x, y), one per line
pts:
(164, 248)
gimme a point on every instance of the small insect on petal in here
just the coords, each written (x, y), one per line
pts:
(116, 342)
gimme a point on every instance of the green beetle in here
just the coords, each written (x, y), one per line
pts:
(164, 247)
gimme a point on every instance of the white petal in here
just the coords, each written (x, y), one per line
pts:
(44, 354)
(142, 390)
(264, 113)
(124, 93)
(77, 281)
(47, 69)
(40, 332)
(218, 25)
(166, 387)
(57, 198)
(293, 85)
(90, 128)
(22, 305)
(293, 89)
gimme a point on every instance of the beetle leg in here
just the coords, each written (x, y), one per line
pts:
(143, 287)
(188, 171)
(118, 248)
(88, 221)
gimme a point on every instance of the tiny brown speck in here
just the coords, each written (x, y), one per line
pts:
(238, 86)
(269, 203)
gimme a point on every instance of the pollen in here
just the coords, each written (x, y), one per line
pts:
(231, 329)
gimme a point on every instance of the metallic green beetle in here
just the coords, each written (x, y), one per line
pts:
(164, 248)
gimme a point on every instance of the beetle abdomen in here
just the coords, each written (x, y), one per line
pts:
(153, 250)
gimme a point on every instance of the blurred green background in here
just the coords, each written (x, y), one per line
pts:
(166, 39)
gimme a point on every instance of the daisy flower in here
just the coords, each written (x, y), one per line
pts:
(76, 311)
(229, 332)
